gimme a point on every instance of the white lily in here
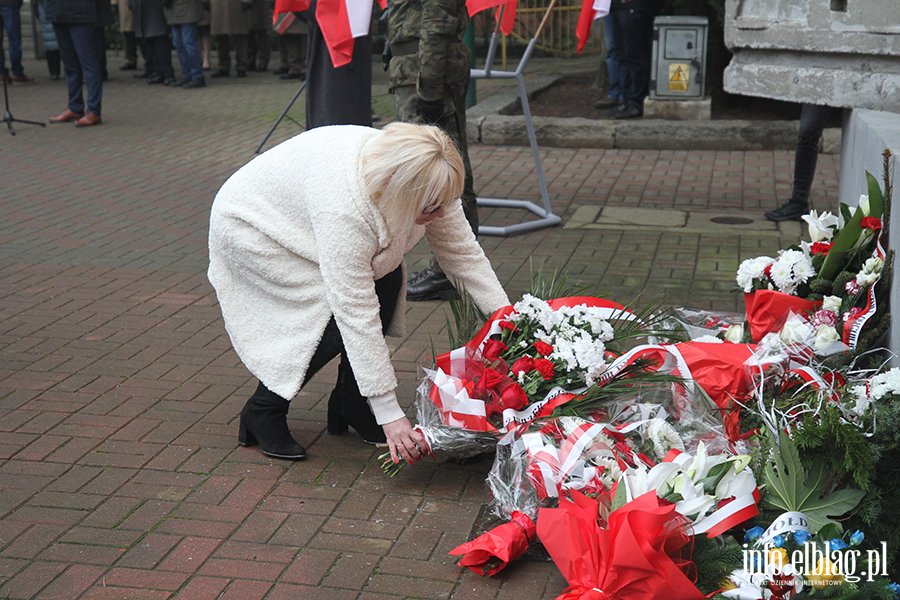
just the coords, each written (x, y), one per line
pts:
(864, 205)
(821, 227)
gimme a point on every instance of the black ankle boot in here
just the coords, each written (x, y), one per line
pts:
(264, 422)
(347, 406)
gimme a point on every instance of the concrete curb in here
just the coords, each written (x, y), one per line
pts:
(491, 122)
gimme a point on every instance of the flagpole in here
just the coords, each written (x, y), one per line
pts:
(545, 215)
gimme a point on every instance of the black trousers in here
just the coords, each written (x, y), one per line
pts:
(813, 119)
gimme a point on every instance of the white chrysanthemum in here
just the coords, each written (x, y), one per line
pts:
(664, 437)
(803, 270)
(885, 384)
(750, 269)
(782, 274)
(708, 339)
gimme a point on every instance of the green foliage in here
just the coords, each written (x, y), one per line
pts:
(467, 318)
(841, 445)
(876, 199)
(841, 246)
(715, 560)
(791, 487)
(557, 286)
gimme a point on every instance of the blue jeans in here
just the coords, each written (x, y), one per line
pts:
(79, 48)
(632, 35)
(612, 60)
(185, 39)
(12, 22)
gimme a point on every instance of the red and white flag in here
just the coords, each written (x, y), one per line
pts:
(509, 15)
(340, 21)
(591, 10)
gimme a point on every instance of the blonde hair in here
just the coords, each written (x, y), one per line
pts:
(409, 167)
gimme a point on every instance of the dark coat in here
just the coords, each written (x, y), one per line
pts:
(149, 19)
(47, 34)
(11, 3)
(229, 17)
(181, 12)
(94, 12)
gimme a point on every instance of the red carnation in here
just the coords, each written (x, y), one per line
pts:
(514, 397)
(820, 247)
(493, 349)
(544, 348)
(871, 223)
(507, 325)
(544, 367)
(524, 364)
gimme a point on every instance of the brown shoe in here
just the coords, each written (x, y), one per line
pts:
(22, 79)
(87, 120)
(66, 116)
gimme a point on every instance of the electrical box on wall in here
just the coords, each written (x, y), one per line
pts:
(679, 58)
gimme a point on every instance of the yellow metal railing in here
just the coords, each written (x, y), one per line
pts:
(558, 36)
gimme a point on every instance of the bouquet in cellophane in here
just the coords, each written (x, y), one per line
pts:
(530, 362)
(830, 293)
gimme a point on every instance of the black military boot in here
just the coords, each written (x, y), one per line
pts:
(264, 422)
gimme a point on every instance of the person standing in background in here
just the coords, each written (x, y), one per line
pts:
(429, 77)
(129, 43)
(291, 29)
(630, 32)
(48, 39)
(342, 95)
(259, 51)
(78, 25)
(813, 119)
(151, 27)
(205, 37)
(230, 25)
(182, 17)
(12, 21)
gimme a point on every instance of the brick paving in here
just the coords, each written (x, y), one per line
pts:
(120, 475)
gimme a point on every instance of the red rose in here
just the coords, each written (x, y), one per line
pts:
(545, 368)
(485, 387)
(768, 271)
(544, 348)
(524, 364)
(871, 223)
(820, 247)
(514, 397)
(493, 349)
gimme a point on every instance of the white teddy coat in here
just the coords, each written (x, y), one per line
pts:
(294, 240)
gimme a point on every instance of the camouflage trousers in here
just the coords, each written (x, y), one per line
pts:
(454, 124)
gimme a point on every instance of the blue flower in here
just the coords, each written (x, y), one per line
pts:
(801, 537)
(895, 589)
(778, 541)
(837, 544)
(753, 534)
(857, 538)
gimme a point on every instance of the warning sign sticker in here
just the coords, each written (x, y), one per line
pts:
(679, 76)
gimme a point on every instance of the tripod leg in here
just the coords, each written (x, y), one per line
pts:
(7, 118)
(283, 113)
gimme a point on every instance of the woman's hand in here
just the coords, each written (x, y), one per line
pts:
(404, 441)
